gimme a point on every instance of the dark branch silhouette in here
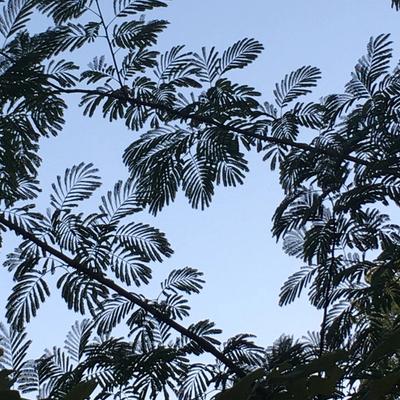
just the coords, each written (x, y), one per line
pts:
(134, 298)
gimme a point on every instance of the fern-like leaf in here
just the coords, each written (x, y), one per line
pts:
(208, 64)
(61, 72)
(295, 284)
(26, 298)
(239, 55)
(124, 8)
(205, 329)
(137, 34)
(15, 347)
(371, 67)
(63, 11)
(98, 70)
(112, 311)
(175, 67)
(120, 202)
(78, 339)
(78, 184)
(197, 181)
(15, 15)
(196, 380)
(396, 4)
(188, 280)
(298, 83)
(144, 241)
(129, 268)
(243, 351)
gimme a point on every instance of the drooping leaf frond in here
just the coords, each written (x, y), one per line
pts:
(208, 63)
(166, 158)
(60, 71)
(52, 368)
(78, 184)
(242, 349)
(78, 338)
(371, 67)
(65, 10)
(396, 4)
(112, 311)
(295, 285)
(129, 267)
(175, 67)
(197, 181)
(197, 380)
(124, 8)
(137, 34)
(81, 293)
(69, 37)
(145, 241)
(240, 54)
(205, 329)
(14, 16)
(297, 83)
(14, 345)
(99, 70)
(187, 280)
(120, 202)
(29, 293)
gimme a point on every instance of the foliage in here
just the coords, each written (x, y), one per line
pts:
(198, 125)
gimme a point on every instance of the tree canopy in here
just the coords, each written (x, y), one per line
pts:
(196, 128)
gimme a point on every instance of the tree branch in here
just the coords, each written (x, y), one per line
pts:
(109, 44)
(134, 298)
(206, 120)
(324, 322)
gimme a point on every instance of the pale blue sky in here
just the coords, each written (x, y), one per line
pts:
(231, 241)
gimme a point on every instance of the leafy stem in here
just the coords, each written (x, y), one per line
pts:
(107, 35)
(322, 343)
(134, 298)
(184, 115)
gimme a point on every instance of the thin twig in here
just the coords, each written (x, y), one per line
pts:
(105, 26)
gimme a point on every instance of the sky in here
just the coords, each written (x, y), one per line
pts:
(231, 241)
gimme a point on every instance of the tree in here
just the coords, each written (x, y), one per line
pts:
(196, 141)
